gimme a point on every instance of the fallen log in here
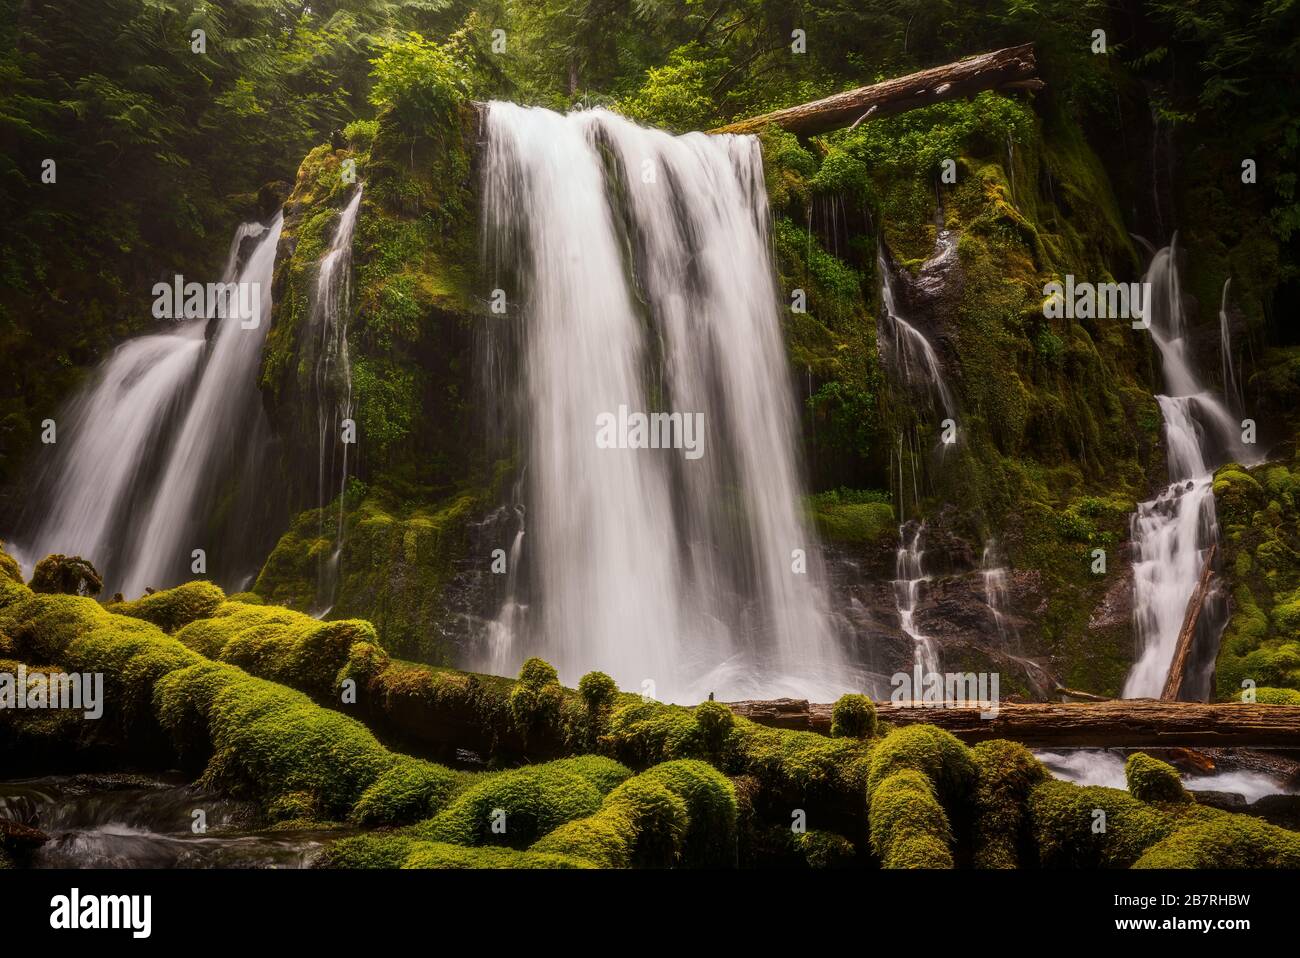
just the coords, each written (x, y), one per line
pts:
(1010, 68)
(1119, 723)
(1174, 680)
(1076, 694)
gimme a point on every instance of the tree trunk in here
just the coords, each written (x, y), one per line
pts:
(1011, 68)
(1120, 723)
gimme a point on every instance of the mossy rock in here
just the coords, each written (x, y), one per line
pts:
(171, 609)
(1151, 780)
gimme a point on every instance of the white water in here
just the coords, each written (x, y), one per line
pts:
(333, 385)
(995, 590)
(95, 488)
(654, 290)
(1231, 385)
(1172, 532)
(910, 354)
(223, 415)
(915, 362)
(909, 572)
(1085, 766)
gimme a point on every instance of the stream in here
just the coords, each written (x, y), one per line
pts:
(129, 821)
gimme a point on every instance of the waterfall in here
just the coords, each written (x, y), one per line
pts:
(644, 283)
(99, 486)
(224, 421)
(995, 590)
(909, 571)
(1231, 387)
(914, 360)
(1172, 532)
(332, 382)
(908, 351)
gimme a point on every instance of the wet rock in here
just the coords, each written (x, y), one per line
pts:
(16, 837)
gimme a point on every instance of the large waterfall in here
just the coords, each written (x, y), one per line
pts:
(163, 430)
(1172, 532)
(641, 283)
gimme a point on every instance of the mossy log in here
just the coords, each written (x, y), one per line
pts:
(1120, 723)
(1013, 66)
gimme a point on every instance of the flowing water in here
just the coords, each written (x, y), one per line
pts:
(642, 278)
(1231, 384)
(332, 382)
(914, 360)
(1172, 532)
(127, 822)
(176, 406)
(909, 575)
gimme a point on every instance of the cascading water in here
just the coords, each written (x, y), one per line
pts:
(332, 382)
(1231, 386)
(224, 421)
(645, 282)
(104, 485)
(909, 570)
(995, 590)
(916, 363)
(1172, 533)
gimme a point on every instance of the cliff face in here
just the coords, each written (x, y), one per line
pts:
(416, 473)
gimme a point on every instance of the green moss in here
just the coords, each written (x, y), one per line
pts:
(173, 608)
(909, 828)
(254, 738)
(1006, 773)
(70, 575)
(514, 808)
(280, 644)
(853, 716)
(9, 568)
(410, 791)
(375, 850)
(1070, 833)
(821, 849)
(1230, 841)
(937, 754)
(677, 813)
(441, 855)
(1151, 780)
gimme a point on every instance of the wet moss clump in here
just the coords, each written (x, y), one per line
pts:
(517, 807)
(410, 791)
(1151, 780)
(678, 813)
(280, 644)
(1006, 774)
(1092, 827)
(66, 575)
(1229, 841)
(853, 716)
(171, 609)
(909, 828)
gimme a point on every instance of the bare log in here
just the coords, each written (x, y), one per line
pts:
(1010, 68)
(1076, 694)
(1119, 723)
(1174, 680)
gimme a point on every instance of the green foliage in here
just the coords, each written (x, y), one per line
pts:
(853, 716)
(1151, 780)
(419, 80)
